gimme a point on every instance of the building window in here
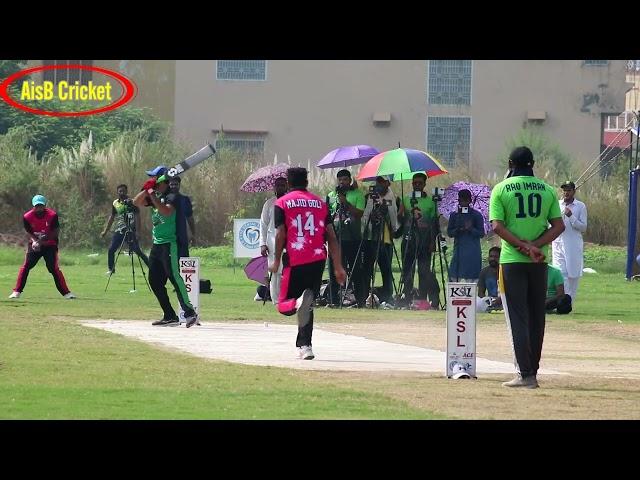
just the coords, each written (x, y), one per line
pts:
(596, 63)
(449, 82)
(241, 70)
(70, 75)
(246, 145)
(449, 139)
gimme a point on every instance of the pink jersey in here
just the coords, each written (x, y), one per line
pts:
(42, 225)
(305, 215)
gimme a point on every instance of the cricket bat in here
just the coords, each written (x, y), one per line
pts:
(191, 161)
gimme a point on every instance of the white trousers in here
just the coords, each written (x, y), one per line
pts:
(571, 287)
(276, 278)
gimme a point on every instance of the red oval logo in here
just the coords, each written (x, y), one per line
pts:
(128, 90)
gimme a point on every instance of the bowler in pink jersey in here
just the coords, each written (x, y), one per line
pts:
(303, 225)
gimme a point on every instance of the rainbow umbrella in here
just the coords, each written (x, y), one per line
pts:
(402, 162)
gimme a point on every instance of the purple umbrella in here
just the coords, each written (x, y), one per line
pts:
(256, 270)
(263, 179)
(347, 156)
(480, 195)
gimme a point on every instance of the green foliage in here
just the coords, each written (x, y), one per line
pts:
(553, 163)
(47, 132)
(7, 112)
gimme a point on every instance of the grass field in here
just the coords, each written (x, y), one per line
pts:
(51, 367)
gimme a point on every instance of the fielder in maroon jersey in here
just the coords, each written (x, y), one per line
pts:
(41, 223)
(303, 224)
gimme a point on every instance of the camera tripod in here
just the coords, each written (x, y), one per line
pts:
(343, 221)
(412, 240)
(129, 238)
(381, 221)
(441, 250)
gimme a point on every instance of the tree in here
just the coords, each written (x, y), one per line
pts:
(552, 161)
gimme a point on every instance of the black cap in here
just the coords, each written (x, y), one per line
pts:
(569, 185)
(521, 157)
(343, 173)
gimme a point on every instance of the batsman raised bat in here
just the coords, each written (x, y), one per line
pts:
(191, 161)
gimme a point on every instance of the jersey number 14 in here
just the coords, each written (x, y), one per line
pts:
(309, 225)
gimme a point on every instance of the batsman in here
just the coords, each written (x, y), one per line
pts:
(163, 259)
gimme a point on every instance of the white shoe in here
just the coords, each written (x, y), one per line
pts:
(305, 353)
(70, 296)
(15, 295)
(109, 272)
(304, 307)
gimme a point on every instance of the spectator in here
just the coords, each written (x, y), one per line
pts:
(568, 248)
(268, 235)
(557, 300)
(466, 226)
(488, 296)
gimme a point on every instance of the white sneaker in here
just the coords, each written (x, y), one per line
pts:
(15, 295)
(304, 307)
(305, 353)
(70, 296)
(109, 272)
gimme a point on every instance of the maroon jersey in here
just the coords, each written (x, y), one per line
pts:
(305, 220)
(44, 225)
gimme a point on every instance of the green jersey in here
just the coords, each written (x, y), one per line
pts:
(164, 227)
(425, 223)
(525, 204)
(351, 228)
(554, 278)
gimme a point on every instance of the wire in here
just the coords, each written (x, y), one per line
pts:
(602, 167)
(606, 151)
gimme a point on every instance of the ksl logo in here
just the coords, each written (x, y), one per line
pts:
(187, 263)
(460, 292)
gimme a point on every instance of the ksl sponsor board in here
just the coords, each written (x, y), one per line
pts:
(190, 273)
(461, 328)
(246, 237)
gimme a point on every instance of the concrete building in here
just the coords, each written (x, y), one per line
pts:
(462, 111)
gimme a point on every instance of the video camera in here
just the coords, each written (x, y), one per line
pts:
(437, 194)
(341, 190)
(375, 192)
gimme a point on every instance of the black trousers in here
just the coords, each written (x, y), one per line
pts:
(524, 298)
(354, 267)
(417, 252)
(163, 265)
(296, 280)
(384, 252)
(116, 241)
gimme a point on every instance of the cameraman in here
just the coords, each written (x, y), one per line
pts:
(466, 227)
(346, 206)
(380, 212)
(418, 213)
(127, 219)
